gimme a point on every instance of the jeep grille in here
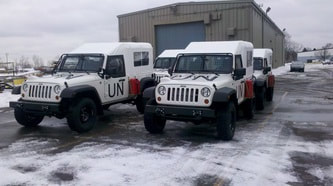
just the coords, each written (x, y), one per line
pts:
(183, 94)
(40, 91)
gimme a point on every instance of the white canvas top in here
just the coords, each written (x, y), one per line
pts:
(233, 47)
(170, 53)
(108, 48)
(262, 52)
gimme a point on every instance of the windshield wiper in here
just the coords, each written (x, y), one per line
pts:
(212, 72)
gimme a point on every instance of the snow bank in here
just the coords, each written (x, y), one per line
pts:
(6, 97)
(309, 67)
(281, 70)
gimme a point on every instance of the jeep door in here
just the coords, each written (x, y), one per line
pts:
(240, 84)
(115, 80)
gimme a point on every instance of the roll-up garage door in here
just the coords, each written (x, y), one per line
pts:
(178, 36)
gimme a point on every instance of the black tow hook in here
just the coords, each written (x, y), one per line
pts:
(197, 113)
(160, 112)
(45, 108)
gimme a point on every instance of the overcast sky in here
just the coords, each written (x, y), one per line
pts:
(49, 28)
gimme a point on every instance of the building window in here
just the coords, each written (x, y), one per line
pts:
(141, 59)
(115, 66)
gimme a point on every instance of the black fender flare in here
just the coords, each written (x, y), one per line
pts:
(16, 90)
(71, 93)
(149, 92)
(146, 82)
(224, 95)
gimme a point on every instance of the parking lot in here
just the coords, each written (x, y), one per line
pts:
(290, 142)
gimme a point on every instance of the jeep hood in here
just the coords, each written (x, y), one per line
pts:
(258, 73)
(199, 80)
(61, 78)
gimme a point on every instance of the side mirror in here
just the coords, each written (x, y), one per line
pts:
(239, 73)
(106, 74)
(267, 69)
(170, 71)
(101, 72)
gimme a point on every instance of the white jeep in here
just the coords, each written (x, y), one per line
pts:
(210, 81)
(85, 82)
(265, 80)
(163, 62)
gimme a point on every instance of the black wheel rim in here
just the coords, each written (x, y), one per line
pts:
(85, 114)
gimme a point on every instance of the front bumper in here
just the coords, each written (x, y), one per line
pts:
(181, 113)
(37, 107)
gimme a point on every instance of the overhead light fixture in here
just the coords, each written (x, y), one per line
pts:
(268, 9)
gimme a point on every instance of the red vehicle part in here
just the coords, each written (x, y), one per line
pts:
(134, 85)
(249, 89)
(271, 81)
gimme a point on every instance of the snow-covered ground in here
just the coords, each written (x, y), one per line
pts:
(6, 96)
(260, 159)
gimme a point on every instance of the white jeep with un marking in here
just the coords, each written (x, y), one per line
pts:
(209, 82)
(265, 80)
(163, 62)
(86, 81)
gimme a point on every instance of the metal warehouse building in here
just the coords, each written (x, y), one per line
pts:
(174, 26)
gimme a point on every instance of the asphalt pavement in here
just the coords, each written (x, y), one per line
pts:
(293, 136)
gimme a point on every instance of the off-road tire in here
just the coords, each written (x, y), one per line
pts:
(249, 108)
(226, 122)
(140, 104)
(154, 124)
(27, 119)
(270, 94)
(260, 97)
(82, 115)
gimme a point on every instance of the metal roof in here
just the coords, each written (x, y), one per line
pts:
(203, 3)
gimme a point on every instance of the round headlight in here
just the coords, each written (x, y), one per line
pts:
(57, 89)
(205, 92)
(161, 90)
(25, 87)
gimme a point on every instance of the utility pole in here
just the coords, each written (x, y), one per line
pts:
(7, 62)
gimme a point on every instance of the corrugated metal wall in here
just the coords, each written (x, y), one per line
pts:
(272, 37)
(224, 20)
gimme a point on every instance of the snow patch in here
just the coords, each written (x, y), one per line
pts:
(281, 70)
(6, 96)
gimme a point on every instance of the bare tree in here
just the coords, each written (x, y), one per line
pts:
(37, 61)
(324, 53)
(291, 48)
(24, 62)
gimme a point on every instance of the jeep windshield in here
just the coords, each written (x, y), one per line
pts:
(220, 64)
(164, 63)
(81, 63)
(257, 63)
